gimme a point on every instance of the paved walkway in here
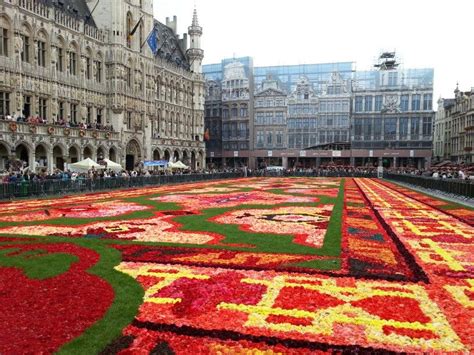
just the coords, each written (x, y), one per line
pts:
(462, 200)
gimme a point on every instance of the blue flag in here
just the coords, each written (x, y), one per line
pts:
(153, 41)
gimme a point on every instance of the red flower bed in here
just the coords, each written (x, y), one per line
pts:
(42, 315)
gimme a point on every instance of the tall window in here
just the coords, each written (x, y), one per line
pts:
(404, 103)
(415, 102)
(427, 102)
(390, 128)
(392, 78)
(378, 103)
(358, 122)
(279, 137)
(269, 138)
(128, 76)
(73, 113)
(60, 60)
(25, 54)
(368, 103)
(4, 104)
(43, 108)
(89, 115)
(233, 112)
(415, 127)
(88, 68)
(26, 105)
(259, 139)
(427, 125)
(98, 71)
(72, 62)
(403, 128)
(377, 128)
(243, 111)
(41, 48)
(61, 110)
(358, 104)
(129, 120)
(99, 116)
(3, 41)
(129, 29)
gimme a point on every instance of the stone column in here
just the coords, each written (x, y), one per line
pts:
(49, 158)
(284, 162)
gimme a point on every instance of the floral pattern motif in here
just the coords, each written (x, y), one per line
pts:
(380, 268)
(308, 224)
(231, 199)
(93, 210)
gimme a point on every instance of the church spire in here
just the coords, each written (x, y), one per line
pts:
(195, 18)
(195, 52)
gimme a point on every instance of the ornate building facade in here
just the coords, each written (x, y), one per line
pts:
(332, 113)
(454, 128)
(78, 79)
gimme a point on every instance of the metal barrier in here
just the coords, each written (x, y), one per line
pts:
(43, 188)
(452, 186)
(316, 174)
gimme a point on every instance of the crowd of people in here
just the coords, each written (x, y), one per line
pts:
(451, 171)
(38, 120)
(25, 174)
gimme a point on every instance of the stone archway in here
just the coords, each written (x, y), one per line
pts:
(185, 159)
(58, 157)
(22, 152)
(113, 155)
(73, 154)
(87, 153)
(200, 160)
(133, 154)
(193, 160)
(167, 155)
(4, 156)
(101, 154)
(156, 154)
(176, 156)
(41, 156)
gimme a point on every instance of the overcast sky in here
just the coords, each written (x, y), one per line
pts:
(425, 34)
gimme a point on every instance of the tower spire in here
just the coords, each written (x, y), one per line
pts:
(195, 18)
(195, 52)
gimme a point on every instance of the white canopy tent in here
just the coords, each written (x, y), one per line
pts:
(113, 165)
(178, 165)
(84, 166)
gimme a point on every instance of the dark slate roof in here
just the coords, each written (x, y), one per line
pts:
(448, 103)
(169, 47)
(75, 8)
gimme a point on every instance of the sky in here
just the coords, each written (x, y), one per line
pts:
(424, 34)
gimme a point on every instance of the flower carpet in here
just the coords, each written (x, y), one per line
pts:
(258, 265)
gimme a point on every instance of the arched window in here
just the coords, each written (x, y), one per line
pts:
(73, 53)
(5, 35)
(42, 48)
(26, 39)
(129, 29)
(128, 74)
(88, 63)
(98, 68)
(60, 53)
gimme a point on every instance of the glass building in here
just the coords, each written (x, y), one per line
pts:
(380, 116)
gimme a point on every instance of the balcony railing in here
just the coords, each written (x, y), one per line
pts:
(14, 127)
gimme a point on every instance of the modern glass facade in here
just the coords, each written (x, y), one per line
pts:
(378, 116)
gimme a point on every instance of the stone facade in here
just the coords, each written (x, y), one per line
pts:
(77, 64)
(454, 128)
(363, 118)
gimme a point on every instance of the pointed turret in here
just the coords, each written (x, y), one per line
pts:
(195, 52)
